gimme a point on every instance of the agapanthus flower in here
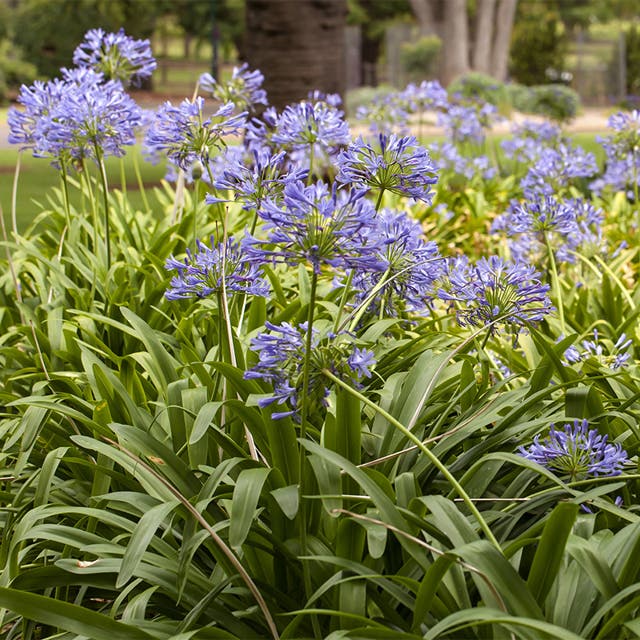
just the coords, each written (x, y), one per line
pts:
(539, 214)
(627, 132)
(305, 123)
(530, 139)
(318, 226)
(495, 289)
(187, 135)
(281, 359)
(116, 55)
(38, 101)
(93, 119)
(577, 451)
(79, 116)
(243, 89)
(428, 95)
(447, 157)
(464, 123)
(555, 168)
(408, 266)
(384, 114)
(252, 183)
(399, 165)
(613, 357)
(212, 269)
(569, 225)
(622, 166)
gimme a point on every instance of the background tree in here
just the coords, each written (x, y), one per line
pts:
(298, 45)
(539, 44)
(373, 17)
(476, 40)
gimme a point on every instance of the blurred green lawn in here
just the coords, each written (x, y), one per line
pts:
(37, 178)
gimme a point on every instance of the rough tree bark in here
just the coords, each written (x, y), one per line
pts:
(455, 41)
(298, 45)
(504, 20)
(485, 19)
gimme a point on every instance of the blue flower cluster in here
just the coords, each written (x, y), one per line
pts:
(116, 55)
(281, 356)
(211, 270)
(577, 451)
(82, 115)
(495, 290)
(614, 357)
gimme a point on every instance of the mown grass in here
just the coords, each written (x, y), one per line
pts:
(37, 178)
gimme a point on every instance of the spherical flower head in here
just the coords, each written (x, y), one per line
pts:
(318, 226)
(530, 139)
(223, 266)
(428, 95)
(399, 165)
(252, 183)
(577, 451)
(281, 354)
(37, 100)
(93, 119)
(186, 135)
(626, 138)
(407, 270)
(116, 55)
(306, 125)
(385, 114)
(466, 123)
(80, 116)
(243, 89)
(541, 213)
(495, 290)
(555, 168)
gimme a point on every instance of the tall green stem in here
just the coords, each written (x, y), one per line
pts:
(14, 196)
(427, 452)
(311, 158)
(136, 168)
(65, 191)
(304, 416)
(555, 281)
(105, 196)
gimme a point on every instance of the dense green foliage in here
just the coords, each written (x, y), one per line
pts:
(132, 506)
(420, 56)
(538, 46)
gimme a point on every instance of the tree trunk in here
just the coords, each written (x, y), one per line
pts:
(298, 45)
(484, 35)
(423, 11)
(504, 26)
(455, 41)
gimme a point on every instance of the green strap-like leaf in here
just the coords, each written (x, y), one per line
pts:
(70, 617)
(550, 552)
(141, 537)
(245, 499)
